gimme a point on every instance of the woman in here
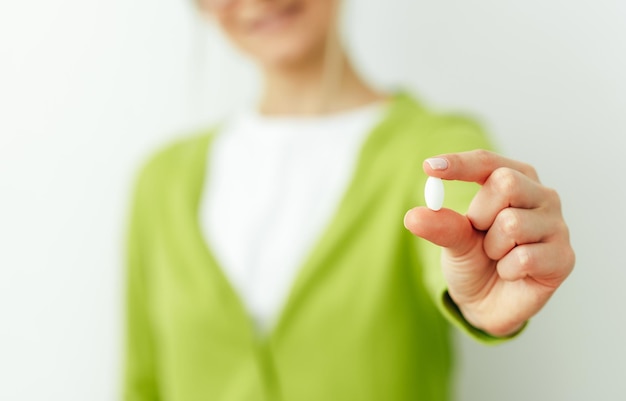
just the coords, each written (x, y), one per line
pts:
(267, 258)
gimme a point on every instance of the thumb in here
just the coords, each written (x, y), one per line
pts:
(445, 228)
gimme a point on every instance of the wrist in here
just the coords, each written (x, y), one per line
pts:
(496, 326)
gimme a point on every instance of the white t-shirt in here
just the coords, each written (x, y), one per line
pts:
(272, 186)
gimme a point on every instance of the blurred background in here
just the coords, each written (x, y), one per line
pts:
(89, 88)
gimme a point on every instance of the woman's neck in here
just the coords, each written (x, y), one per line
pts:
(313, 90)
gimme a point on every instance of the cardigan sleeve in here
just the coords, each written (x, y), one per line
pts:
(455, 134)
(140, 372)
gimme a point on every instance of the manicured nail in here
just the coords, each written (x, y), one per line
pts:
(437, 163)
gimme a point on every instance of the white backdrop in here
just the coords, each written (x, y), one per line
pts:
(88, 88)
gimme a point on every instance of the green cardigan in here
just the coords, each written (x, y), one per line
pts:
(366, 318)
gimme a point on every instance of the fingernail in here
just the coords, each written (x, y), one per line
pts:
(437, 163)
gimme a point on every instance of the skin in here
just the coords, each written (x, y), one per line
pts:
(507, 256)
(288, 40)
(502, 260)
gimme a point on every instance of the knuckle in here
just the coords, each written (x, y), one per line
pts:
(510, 222)
(565, 263)
(553, 198)
(525, 259)
(562, 229)
(504, 180)
(529, 171)
(484, 157)
(482, 154)
(569, 259)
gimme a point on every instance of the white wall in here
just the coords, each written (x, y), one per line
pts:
(88, 87)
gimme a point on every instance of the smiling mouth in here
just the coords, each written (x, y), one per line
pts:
(275, 20)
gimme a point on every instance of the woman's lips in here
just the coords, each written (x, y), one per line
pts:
(275, 20)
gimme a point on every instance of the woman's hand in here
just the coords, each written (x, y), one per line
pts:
(505, 258)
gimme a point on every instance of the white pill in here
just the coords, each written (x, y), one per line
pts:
(433, 193)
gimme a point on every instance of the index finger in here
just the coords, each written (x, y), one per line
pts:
(473, 166)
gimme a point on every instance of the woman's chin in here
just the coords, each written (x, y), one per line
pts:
(284, 59)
